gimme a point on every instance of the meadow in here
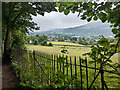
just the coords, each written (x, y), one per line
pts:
(75, 50)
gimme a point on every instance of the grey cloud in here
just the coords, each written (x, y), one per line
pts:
(56, 20)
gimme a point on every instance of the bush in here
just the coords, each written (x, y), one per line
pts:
(50, 44)
(44, 43)
(35, 42)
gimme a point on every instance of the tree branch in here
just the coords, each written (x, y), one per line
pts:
(13, 7)
(17, 16)
(114, 51)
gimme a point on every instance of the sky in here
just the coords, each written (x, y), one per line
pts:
(55, 20)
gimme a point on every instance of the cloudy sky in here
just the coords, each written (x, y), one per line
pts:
(55, 20)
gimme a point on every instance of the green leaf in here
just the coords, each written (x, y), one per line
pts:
(57, 4)
(109, 61)
(83, 61)
(61, 59)
(95, 18)
(103, 41)
(67, 65)
(61, 9)
(89, 19)
(83, 17)
(69, 5)
(85, 54)
(98, 60)
(91, 62)
(115, 30)
(111, 25)
(66, 11)
(47, 66)
(102, 16)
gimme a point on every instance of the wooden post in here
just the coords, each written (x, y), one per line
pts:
(102, 76)
(95, 67)
(75, 68)
(57, 63)
(34, 58)
(60, 63)
(63, 69)
(67, 64)
(71, 66)
(80, 72)
(86, 72)
(54, 64)
(71, 69)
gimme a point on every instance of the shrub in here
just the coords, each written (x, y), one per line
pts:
(50, 44)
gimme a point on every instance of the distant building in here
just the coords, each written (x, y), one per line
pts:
(67, 40)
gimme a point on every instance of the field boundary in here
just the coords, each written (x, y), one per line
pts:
(39, 57)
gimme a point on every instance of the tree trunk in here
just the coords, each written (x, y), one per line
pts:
(7, 45)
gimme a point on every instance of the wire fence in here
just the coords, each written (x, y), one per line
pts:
(78, 72)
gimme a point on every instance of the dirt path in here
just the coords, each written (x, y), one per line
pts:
(9, 80)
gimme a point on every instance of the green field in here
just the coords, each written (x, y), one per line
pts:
(73, 49)
(66, 44)
(111, 79)
(58, 46)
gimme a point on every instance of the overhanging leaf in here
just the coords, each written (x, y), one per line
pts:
(66, 11)
(57, 4)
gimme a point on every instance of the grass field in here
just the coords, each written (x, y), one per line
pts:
(58, 46)
(73, 51)
(66, 44)
(111, 79)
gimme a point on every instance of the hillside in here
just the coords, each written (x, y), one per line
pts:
(90, 29)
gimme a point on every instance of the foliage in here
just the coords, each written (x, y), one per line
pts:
(104, 11)
(44, 43)
(17, 17)
(35, 42)
(50, 44)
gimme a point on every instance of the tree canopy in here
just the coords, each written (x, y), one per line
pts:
(17, 20)
(106, 12)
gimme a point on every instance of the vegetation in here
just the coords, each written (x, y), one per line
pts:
(17, 21)
(48, 75)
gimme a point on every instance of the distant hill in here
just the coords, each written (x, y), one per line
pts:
(90, 29)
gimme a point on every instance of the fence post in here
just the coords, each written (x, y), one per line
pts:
(95, 67)
(63, 68)
(67, 63)
(71, 70)
(71, 66)
(102, 72)
(75, 68)
(86, 72)
(54, 64)
(60, 63)
(34, 58)
(80, 71)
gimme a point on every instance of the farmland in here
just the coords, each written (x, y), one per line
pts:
(73, 49)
